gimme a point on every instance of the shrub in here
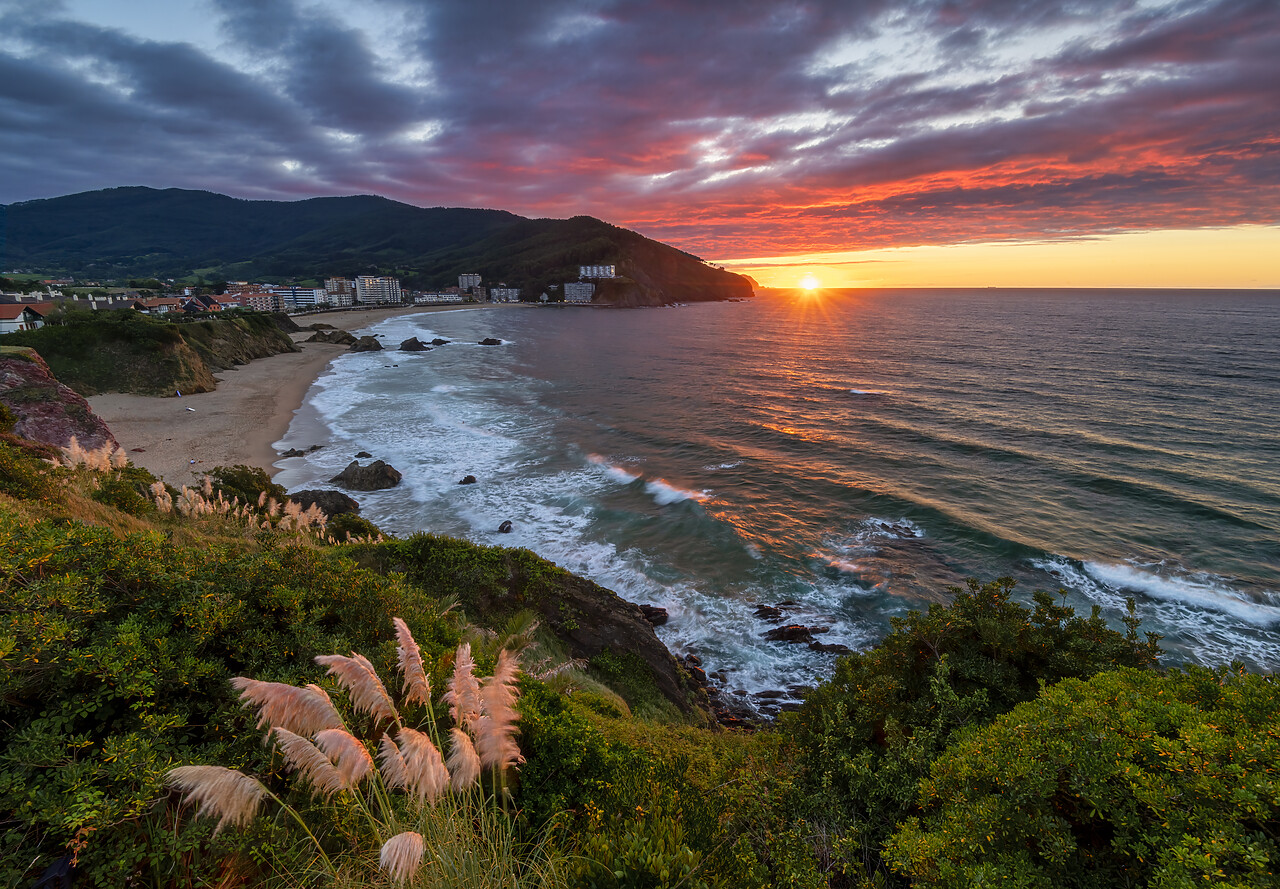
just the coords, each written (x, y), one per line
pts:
(1131, 778)
(246, 483)
(870, 734)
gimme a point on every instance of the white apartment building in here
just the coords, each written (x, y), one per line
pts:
(302, 297)
(467, 281)
(504, 294)
(578, 292)
(373, 290)
(596, 271)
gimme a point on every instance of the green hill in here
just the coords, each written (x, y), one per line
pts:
(143, 232)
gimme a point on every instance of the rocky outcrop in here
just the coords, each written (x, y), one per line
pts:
(332, 503)
(468, 480)
(377, 476)
(656, 616)
(366, 344)
(335, 337)
(506, 527)
(439, 342)
(43, 409)
(413, 344)
(490, 341)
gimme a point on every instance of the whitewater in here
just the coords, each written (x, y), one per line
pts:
(851, 456)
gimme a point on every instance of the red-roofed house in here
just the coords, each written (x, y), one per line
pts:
(17, 316)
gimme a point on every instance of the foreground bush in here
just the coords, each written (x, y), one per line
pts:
(1129, 779)
(869, 735)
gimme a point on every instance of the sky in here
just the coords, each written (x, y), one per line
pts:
(847, 143)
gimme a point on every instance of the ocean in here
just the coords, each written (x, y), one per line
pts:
(852, 454)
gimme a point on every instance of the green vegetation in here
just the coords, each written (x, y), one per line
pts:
(126, 351)
(985, 742)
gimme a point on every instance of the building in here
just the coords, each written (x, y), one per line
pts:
(467, 281)
(371, 290)
(263, 301)
(502, 294)
(578, 292)
(16, 316)
(438, 298)
(161, 305)
(596, 271)
(340, 287)
(302, 297)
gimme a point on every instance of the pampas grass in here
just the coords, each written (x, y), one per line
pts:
(357, 676)
(417, 688)
(401, 855)
(303, 711)
(230, 796)
(423, 831)
(311, 762)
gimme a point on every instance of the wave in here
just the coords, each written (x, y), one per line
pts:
(664, 493)
(617, 473)
(1204, 592)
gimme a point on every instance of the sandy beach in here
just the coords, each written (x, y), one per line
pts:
(179, 439)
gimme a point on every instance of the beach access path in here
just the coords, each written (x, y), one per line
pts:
(180, 439)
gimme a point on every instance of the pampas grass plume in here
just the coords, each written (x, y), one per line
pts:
(463, 696)
(230, 796)
(425, 774)
(306, 758)
(464, 764)
(417, 688)
(304, 711)
(347, 754)
(358, 677)
(401, 855)
(495, 730)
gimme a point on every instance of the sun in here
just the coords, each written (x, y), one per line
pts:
(809, 282)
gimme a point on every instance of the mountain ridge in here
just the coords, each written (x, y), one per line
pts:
(137, 231)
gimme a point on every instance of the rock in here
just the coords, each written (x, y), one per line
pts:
(413, 344)
(697, 674)
(332, 503)
(656, 616)
(439, 342)
(506, 527)
(294, 452)
(469, 480)
(320, 325)
(374, 477)
(45, 410)
(363, 455)
(772, 694)
(334, 337)
(768, 612)
(314, 448)
(366, 344)
(490, 341)
(690, 658)
(791, 633)
(830, 647)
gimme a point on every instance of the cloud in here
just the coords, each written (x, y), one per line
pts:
(753, 128)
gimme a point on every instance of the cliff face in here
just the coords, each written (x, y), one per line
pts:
(44, 410)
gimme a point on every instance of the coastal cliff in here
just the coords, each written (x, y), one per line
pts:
(43, 410)
(127, 352)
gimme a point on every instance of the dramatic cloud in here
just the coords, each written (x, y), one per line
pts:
(756, 127)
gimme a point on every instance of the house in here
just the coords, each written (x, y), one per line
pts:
(16, 316)
(160, 305)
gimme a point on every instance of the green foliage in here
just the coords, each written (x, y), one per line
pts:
(116, 654)
(349, 526)
(7, 420)
(246, 483)
(1131, 778)
(630, 676)
(870, 734)
(127, 490)
(24, 475)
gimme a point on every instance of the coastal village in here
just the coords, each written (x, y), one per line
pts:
(27, 310)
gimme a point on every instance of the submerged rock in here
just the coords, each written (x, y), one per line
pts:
(439, 342)
(490, 341)
(363, 455)
(374, 477)
(469, 480)
(506, 527)
(792, 633)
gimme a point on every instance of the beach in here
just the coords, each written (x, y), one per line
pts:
(180, 439)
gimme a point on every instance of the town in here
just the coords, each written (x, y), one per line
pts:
(26, 309)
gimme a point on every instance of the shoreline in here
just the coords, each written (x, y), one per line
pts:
(180, 439)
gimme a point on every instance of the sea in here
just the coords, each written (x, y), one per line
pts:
(852, 455)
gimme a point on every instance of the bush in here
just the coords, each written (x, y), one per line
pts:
(1130, 778)
(869, 735)
(246, 483)
(115, 655)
